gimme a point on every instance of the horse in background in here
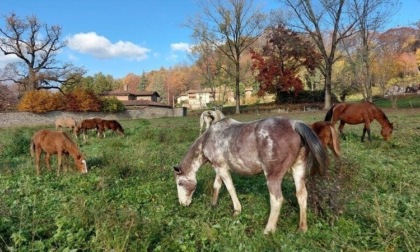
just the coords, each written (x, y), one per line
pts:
(208, 117)
(65, 122)
(55, 142)
(88, 124)
(328, 136)
(357, 113)
(272, 146)
(112, 125)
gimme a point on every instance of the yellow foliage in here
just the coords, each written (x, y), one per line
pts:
(37, 101)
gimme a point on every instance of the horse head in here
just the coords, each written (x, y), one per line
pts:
(186, 186)
(386, 132)
(81, 163)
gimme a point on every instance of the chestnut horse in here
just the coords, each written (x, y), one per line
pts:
(208, 117)
(55, 142)
(88, 124)
(357, 113)
(328, 136)
(272, 145)
(65, 122)
(113, 125)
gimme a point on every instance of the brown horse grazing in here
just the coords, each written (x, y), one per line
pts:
(272, 145)
(55, 142)
(88, 124)
(356, 113)
(65, 122)
(328, 136)
(113, 125)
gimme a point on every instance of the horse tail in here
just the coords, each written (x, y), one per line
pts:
(335, 144)
(329, 114)
(316, 149)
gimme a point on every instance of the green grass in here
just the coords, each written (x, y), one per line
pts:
(128, 200)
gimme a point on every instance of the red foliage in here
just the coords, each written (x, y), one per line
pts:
(277, 66)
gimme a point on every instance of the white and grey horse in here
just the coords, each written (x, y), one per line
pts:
(272, 145)
(208, 117)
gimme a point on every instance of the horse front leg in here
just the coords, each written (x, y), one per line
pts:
(47, 161)
(227, 180)
(341, 127)
(59, 155)
(216, 189)
(276, 200)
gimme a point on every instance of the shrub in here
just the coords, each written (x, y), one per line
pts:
(112, 105)
(305, 96)
(39, 101)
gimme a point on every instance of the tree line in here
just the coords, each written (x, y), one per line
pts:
(334, 46)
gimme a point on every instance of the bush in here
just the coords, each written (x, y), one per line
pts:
(304, 96)
(112, 105)
(40, 101)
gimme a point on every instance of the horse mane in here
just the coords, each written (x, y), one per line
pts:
(70, 146)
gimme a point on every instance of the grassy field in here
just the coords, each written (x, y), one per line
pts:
(128, 200)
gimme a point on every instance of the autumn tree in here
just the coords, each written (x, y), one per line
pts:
(231, 27)
(36, 46)
(278, 64)
(214, 69)
(131, 82)
(327, 23)
(370, 16)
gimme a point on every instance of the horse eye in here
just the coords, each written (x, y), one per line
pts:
(180, 183)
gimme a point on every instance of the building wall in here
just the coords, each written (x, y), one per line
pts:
(12, 119)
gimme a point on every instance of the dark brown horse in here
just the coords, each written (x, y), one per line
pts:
(112, 125)
(328, 136)
(357, 113)
(88, 124)
(56, 142)
(273, 146)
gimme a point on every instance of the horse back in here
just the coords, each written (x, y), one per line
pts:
(51, 141)
(249, 148)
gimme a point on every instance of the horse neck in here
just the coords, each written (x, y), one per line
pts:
(71, 148)
(194, 158)
(382, 119)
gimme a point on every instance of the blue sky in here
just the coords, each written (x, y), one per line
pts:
(131, 36)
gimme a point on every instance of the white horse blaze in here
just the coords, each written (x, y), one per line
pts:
(85, 166)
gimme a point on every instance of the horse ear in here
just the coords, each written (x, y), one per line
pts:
(177, 170)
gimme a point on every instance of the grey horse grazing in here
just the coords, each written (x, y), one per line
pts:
(208, 117)
(272, 145)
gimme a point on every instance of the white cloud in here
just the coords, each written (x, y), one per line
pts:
(6, 59)
(101, 47)
(181, 47)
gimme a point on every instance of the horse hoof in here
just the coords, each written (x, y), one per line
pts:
(236, 213)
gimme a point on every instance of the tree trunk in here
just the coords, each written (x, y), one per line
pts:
(238, 93)
(327, 102)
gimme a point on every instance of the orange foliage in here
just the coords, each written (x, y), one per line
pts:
(41, 101)
(81, 99)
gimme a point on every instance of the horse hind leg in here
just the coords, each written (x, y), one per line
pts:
(298, 171)
(276, 200)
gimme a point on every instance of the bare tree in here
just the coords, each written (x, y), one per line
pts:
(230, 26)
(371, 15)
(36, 46)
(327, 22)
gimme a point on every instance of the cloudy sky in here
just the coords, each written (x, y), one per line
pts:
(130, 36)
